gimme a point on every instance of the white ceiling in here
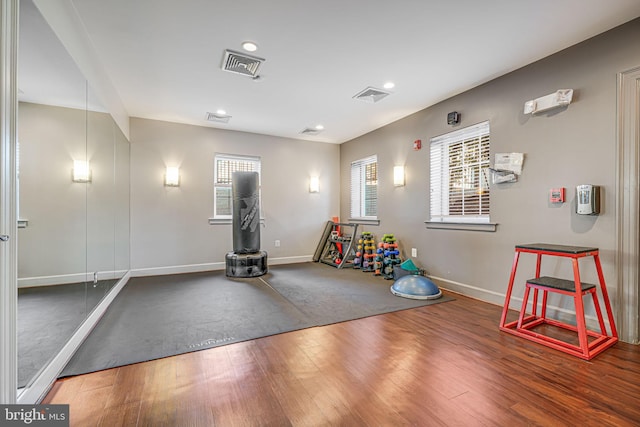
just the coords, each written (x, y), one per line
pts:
(164, 56)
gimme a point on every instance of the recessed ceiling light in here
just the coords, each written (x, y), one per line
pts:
(319, 127)
(389, 85)
(221, 111)
(249, 46)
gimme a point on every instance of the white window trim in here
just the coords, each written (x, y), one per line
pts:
(446, 221)
(359, 199)
(468, 226)
(364, 221)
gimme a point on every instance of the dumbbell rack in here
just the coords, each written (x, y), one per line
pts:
(340, 238)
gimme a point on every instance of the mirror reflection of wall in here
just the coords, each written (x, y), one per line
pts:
(73, 240)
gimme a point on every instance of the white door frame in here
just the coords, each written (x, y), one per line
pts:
(8, 217)
(627, 209)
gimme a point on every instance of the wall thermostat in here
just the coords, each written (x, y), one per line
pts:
(588, 199)
(453, 118)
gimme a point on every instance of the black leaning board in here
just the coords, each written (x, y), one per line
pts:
(325, 235)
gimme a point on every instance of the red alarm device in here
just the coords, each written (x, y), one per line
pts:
(556, 195)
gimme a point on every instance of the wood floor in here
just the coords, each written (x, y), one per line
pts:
(440, 365)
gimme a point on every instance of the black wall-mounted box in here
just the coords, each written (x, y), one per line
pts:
(453, 118)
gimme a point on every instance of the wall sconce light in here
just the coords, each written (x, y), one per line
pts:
(398, 176)
(81, 171)
(314, 184)
(172, 176)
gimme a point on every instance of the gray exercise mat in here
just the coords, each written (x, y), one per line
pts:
(160, 316)
(47, 317)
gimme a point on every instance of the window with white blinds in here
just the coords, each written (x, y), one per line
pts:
(364, 188)
(459, 187)
(224, 167)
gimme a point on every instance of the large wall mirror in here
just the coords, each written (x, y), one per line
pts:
(73, 197)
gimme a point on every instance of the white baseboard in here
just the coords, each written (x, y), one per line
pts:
(63, 279)
(290, 260)
(212, 266)
(176, 269)
(496, 298)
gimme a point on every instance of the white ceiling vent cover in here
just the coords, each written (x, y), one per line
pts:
(241, 63)
(371, 95)
(220, 118)
(310, 131)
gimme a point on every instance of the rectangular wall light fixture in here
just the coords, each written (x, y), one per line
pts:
(398, 176)
(314, 184)
(81, 171)
(172, 176)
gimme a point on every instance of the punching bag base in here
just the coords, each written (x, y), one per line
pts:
(246, 265)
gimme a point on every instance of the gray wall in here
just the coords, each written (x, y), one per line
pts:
(55, 242)
(170, 231)
(73, 228)
(562, 149)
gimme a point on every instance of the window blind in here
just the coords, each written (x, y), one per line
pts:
(364, 188)
(458, 189)
(225, 165)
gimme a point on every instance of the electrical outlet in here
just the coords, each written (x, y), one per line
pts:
(277, 243)
(414, 252)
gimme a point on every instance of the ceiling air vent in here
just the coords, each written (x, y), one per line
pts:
(310, 131)
(241, 63)
(220, 118)
(371, 94)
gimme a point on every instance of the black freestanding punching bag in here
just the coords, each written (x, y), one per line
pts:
(246, 260)
(246, 212)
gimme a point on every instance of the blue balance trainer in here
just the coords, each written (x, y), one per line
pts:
(415, 287)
